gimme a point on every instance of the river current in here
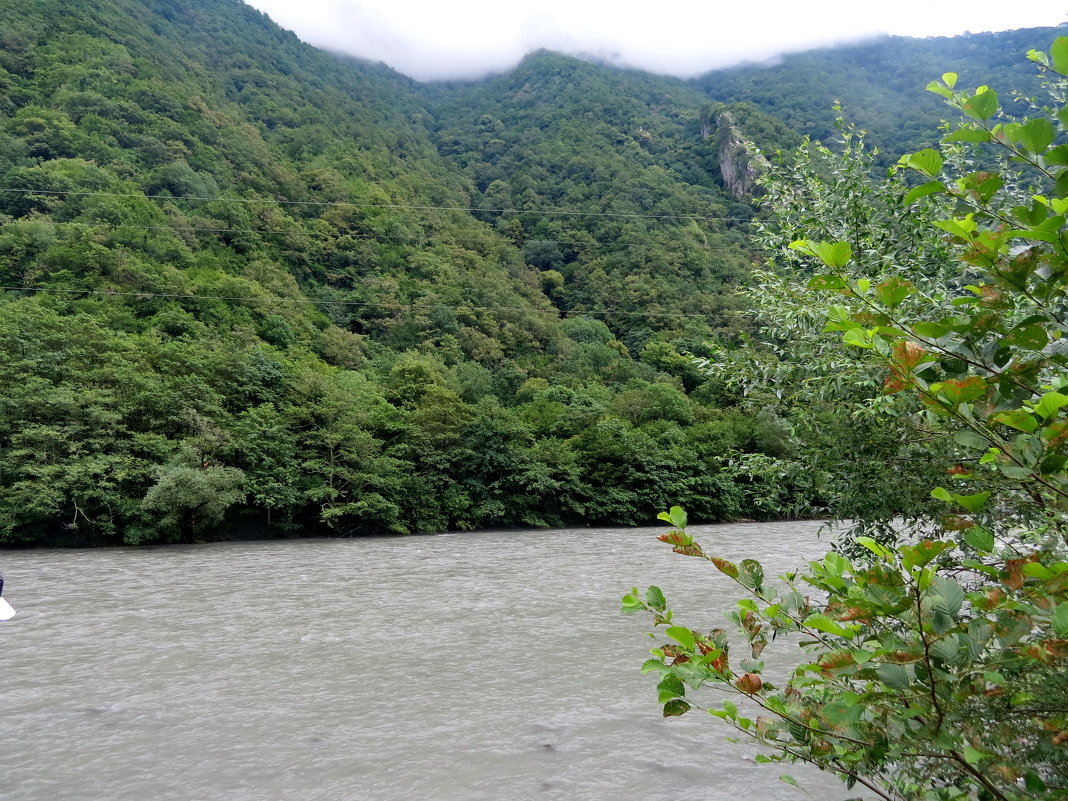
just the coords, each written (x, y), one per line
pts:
(488, 666)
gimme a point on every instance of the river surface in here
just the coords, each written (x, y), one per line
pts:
(481, 666)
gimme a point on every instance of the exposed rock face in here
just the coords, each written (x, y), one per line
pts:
(739, 167)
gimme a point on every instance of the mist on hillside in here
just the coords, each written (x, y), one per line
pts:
(474, 38)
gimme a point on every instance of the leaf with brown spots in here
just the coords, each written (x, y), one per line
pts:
(724, 566)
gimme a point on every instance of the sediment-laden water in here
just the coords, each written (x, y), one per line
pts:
(491, 666)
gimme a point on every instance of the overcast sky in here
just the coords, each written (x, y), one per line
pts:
(441, 39)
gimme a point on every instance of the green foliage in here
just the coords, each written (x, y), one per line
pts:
(877, 83)
(933, 667)
(371, 356)
(641, 241)
(926, 673)
(183, 357)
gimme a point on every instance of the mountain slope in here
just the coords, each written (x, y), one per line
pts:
(244, 296)
(880, 83)
(660, 234)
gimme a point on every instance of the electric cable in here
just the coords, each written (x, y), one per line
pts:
(365, 303)
(397, 206)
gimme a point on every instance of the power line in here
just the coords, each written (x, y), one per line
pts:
(548, 212)
(410, 239)
(311, 302)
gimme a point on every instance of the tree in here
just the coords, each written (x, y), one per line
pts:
(934, 667)
(190, 497)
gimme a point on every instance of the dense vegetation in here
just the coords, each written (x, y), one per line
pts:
(933, 656)
(879, 83)
(253, 289)
(244, 295)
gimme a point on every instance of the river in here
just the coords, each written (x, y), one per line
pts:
(458, 667)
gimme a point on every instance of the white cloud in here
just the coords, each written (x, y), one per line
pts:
(466, 38)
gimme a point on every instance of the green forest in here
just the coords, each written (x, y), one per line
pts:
(251, 289)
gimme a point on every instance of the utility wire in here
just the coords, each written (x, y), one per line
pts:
(554, 212)
(410, 239)
(312, 302)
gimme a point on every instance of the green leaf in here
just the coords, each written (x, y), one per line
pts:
(835, 563)
(969, 135)
(1059, 54)
(939, 89)
(1052, 463)
(923, 552)
(990, 456)
(857, 337)
(1057, 157)
(930, 330)
(675, 707)
(1038, 57)
(842, 712)
(670, 687)
(682, 636)
(834, 254)
(949, 79)
(942, 494)
(980, 538)
(983, 185)
(790, 780)
(1014, 471)
(1060, 619)
(654, 597)
(751, 574)
(1049, 403)
(896, 677)
(1032, 337)
(982, 105)
(677, 515)
(973, 503)
(1033, 783)
(958, 391)
(1036, 134)
(923, 190)
(956, 228)
(1038, 571)
(893, 291)
(1020, 419)
(825, 624)
(951, 594)
(969, 439)
(1030, 215)
(827, 283)
(1061, 184)
(874, 547)
(928, 161)
(631, 603)
(947, 649)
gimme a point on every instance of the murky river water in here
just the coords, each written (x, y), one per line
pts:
(458, 667)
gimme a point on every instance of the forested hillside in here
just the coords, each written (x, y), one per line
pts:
(252, 289)
(880, 83)
(661, 243)
(244, 294)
